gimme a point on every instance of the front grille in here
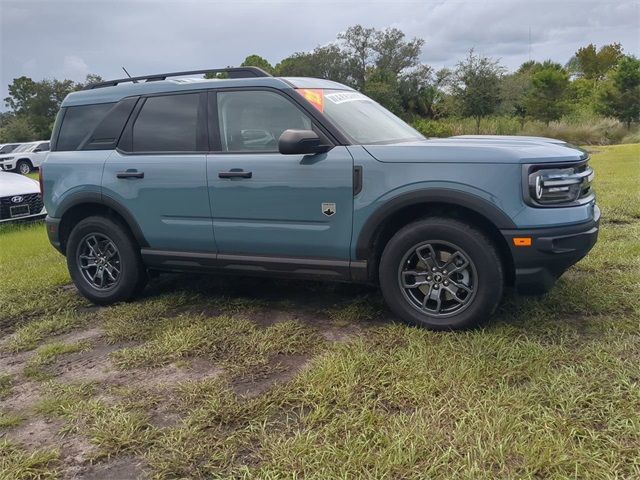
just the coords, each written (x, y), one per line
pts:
(34, 200)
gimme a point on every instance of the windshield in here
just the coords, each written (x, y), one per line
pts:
(361, 119)
(24, 147)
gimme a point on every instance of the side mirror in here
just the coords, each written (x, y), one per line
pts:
(37, 150)
(301, 142)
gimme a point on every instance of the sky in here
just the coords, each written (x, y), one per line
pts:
(71, 38)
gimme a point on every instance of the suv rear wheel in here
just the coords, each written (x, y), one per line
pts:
(441, 274)
(104, 262)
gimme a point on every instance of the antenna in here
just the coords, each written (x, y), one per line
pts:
(135, 81)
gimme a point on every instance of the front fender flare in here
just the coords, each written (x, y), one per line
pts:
(458, 198)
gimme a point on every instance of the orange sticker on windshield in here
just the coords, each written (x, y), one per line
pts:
(315, 96)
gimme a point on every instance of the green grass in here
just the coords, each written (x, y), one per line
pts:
(548, 389)
(48, 354)
(17, 464)
(29, 335)
(234, 342)
(6, 383)
(34, 271)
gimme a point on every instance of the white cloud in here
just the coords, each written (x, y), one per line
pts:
(74, 38)
(74, 67)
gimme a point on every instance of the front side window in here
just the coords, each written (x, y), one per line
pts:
(361, 119)
(167, 124)
(78, 123)
(254, 121)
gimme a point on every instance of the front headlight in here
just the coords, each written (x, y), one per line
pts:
(6, 159)
(558, 186)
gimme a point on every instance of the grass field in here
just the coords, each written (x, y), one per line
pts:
(211, 377)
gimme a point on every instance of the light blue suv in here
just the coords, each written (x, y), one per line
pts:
(302, 177)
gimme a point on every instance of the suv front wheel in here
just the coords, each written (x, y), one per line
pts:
(104, 262)
(441, 274)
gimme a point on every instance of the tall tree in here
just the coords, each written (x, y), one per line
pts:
(257, 61)
(393, 53)
(422, 91)
(514, 91)
(39, 102)
(17, 129)
(546, 100)
(476, 86)
(358, 43)
(620, 96)
(594, 64)
(324, 62)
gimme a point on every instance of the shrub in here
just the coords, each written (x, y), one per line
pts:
(433, 128)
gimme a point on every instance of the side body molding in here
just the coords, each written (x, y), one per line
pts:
(436, 195)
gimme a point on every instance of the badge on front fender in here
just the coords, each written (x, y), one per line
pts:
(328, 209)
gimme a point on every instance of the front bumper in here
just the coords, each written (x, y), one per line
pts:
(34, 216)
(7, 165)
(552, 252)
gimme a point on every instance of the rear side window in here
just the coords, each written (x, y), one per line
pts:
(167, 124)
(78, 123)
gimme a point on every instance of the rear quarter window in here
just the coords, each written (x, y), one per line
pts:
(78, 123)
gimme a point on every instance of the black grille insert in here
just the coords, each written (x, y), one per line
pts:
(34, 200)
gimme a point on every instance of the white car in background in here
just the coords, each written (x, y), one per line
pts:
(26, 157)
(20, 198)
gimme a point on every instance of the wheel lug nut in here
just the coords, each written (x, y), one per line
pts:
(436, 286)
(433, 269)
(446, 283)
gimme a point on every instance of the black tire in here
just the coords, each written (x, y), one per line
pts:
(131, 278)
(23, 167)
(482, 277)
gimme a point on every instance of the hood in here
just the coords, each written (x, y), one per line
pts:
(479, 149)
(16, 184)
(512, 138)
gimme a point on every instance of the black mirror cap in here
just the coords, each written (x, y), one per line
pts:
(301, 142)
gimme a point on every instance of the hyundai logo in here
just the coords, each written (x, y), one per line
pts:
(17, 199)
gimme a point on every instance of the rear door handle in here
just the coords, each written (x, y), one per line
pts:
(235, 174)
(130, 174)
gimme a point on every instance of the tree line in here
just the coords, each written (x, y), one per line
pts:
(386, 66)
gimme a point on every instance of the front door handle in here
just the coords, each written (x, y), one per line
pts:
(130, 174)
(235, 174)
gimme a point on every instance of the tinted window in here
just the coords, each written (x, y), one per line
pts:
(167, 123)
(78, 123)
(9, 148)
(254, 121)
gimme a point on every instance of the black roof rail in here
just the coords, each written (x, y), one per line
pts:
(232, 72)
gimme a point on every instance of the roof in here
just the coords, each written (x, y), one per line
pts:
(115, 93)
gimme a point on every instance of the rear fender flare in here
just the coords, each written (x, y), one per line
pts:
(80, 198)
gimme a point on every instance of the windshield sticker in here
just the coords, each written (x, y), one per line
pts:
(314, 96)
(343, 97)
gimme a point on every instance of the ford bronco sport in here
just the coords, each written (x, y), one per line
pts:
(302, 177)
